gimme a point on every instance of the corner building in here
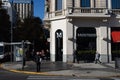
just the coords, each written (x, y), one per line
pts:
(83, 25)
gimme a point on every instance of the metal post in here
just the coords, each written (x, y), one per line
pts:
(23, 60)
(11, 31)
(108, 59)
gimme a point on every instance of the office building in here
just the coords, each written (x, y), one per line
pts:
(24, 8)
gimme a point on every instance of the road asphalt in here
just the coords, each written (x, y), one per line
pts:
(103, 70)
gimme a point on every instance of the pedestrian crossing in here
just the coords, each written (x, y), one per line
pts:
(63, 78)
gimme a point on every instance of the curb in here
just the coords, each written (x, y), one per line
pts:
(50, 74)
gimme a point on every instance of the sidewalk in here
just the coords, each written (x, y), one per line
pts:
(65, 69)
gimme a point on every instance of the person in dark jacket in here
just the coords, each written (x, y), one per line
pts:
(38, 60)
(75, 56)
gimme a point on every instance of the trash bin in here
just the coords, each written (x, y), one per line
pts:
(117, 63)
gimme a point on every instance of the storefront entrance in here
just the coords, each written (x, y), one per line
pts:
(59, 45)
(115, 42)
(86, 43)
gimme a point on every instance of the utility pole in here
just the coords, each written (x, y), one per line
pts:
(11, 31)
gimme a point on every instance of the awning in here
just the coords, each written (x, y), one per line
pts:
(116, 36)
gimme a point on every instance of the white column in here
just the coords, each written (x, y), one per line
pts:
(65, 42)
(64, 6)
(98, 39)
(52, 43)
(92, 3)
(77, 3)
(53, 8)
(109, 4)
(103, 43)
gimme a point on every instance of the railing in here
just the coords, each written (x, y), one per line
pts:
(115, 11)
(87, 10)
(55, 13)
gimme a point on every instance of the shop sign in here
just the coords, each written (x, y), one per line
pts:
(86, 35)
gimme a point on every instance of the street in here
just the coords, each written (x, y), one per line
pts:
(6, 75)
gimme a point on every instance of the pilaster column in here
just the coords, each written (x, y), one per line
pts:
(52, 8)
(109, 4)
(102, 43)
(92, 3)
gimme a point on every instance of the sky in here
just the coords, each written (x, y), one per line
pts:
(39, 8)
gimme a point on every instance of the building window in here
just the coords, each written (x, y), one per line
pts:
(58, 5)
(85, 3)
(115, 4)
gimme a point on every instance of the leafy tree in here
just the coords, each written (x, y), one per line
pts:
(31, 29)
(4, 25)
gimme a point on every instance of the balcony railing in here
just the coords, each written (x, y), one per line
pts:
(85, 11)
(115, 11)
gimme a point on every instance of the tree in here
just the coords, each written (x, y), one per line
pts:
(31, 29)
(4, 25)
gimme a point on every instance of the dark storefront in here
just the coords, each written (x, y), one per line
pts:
(86, 43)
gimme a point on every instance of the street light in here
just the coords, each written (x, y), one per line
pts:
(10, 11)
(11, 30)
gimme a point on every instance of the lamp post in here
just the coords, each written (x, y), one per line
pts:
(11, 29)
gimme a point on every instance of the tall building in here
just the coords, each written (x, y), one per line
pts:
(24, 8)
(85, 26)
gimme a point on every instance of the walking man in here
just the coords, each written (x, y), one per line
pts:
(97, 58)
(38, 60)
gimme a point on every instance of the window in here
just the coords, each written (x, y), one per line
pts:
(115, 4)
(58, 4)
(85, 3)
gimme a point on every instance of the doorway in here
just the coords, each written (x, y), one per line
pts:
(59, 45)
(86, 43)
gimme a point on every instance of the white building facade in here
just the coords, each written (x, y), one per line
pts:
(82, 25)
